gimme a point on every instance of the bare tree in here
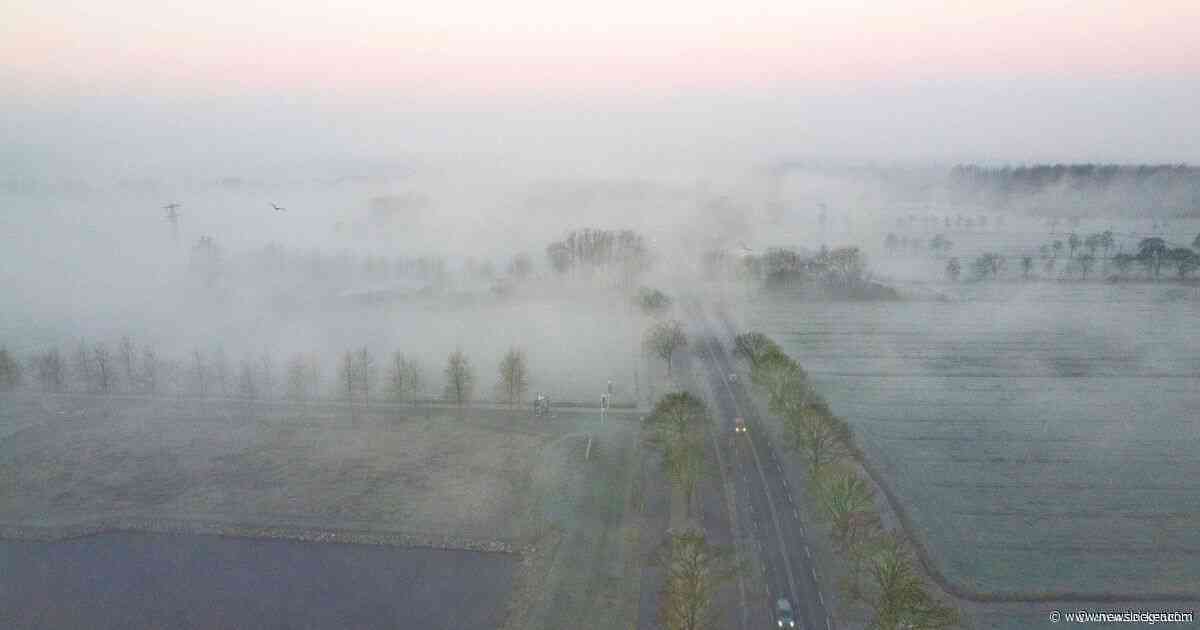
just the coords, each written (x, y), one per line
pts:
(1152, 252)
(460, 378)
(953, 269)
(151, 370)
(51, 371)
(298, 381)
(1085, 262)
(199, 373)
(175, 376)
(844, 497)
(989, 263)
(267, 381)
(896, 594)
(127, 355)
(1073, 244)
(314, 375)
(652, 301)
(677, 422)
(403, 378)
(10, 370)
(347, 381)
(521, 266)
(1026, 266)
(365, 372)
(104, 367)
(1124, 262)
(818, 434)
(753, 346)
(514, 377)
(84, 373)
(247, 380)
(693, 573)
(221, 372)
(664, 339)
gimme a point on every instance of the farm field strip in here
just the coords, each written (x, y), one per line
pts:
(1041, 445)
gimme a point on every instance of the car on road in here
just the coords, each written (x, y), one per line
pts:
(783, 614)
(739, 425)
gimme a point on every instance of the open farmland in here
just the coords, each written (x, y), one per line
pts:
(411, 469)
(1042, 436)
(482, 478)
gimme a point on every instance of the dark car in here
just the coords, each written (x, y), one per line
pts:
(783, 614)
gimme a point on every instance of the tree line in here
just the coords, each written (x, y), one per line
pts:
(1153, 254)
(883, 576)
(779, 267)
(594, 250)
(693, 568)
(97, 368)
(1108, 186)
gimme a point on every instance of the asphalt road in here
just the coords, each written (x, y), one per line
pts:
(767, 515)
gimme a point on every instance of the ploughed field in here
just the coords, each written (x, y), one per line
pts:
(1045, 437)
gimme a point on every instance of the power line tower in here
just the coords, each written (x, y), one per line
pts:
(173, 218)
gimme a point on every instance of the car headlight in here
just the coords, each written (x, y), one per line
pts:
(791, 624)
(780, 622)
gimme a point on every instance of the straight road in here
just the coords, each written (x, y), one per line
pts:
(767, 512)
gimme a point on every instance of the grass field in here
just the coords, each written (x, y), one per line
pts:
(415, 470)
(482, 475)
(1044, 436)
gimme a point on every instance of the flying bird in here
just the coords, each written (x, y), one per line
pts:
(278, 208)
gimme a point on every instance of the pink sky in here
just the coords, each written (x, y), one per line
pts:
(620, 48)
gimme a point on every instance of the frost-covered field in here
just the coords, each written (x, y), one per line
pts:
(1044, 436)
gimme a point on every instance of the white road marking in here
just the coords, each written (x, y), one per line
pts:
(796, 513)
(814, 572)
(807, 552)
(821, 597)
(828, 623)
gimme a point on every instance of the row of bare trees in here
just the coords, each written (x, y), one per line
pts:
(693, 569)
(97, 369)
(1153, 254)
(882, 574)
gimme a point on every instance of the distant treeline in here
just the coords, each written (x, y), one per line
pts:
(1083, 189)
(838, 273)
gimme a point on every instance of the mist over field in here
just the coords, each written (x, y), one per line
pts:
(718, 315)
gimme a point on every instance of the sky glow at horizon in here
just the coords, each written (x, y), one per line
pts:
(623, 48)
